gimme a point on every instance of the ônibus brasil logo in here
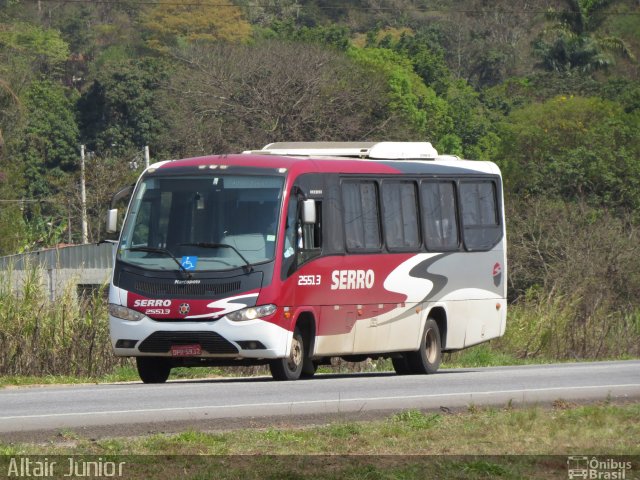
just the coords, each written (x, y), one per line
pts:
(597, 468)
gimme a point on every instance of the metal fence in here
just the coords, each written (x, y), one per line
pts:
(87, 266)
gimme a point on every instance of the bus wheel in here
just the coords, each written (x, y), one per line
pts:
(427, 358)
(290, 368)
(153, 369)
(401, 365)
(309, 368)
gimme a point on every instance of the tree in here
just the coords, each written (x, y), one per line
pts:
(234, 97)
(409, 96)
(333, 35)
(8, 99)
(427, 57)
(117, 113)
(171, 24)
(575, 148)
(11, 220)
(484, 42)
(26, 52)
(573, 42)
(48, 145)
(43, 48)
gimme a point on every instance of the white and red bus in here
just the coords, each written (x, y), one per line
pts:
(300, 252)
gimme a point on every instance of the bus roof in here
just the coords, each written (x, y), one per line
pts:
(339, 157)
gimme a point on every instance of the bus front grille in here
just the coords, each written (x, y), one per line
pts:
(198, 289)
(211, 342)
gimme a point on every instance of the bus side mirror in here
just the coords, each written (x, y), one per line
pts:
(112, 220)
(308, 212)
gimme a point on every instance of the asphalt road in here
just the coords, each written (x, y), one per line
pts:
(47, 408)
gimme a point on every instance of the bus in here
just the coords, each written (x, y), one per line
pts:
(301, 252)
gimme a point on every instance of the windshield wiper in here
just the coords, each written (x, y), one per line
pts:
(164, 251)
(220, 245)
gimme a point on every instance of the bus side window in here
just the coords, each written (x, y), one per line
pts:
(439, 217)
(361, 215)
(400, 217)
(479, 214)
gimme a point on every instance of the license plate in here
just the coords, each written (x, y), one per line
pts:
(186, 350)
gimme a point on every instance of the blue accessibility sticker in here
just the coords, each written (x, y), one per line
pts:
(189, 263)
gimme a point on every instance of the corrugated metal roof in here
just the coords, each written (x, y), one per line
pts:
(93, 255)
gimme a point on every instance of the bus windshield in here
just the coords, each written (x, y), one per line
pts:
(202, 223)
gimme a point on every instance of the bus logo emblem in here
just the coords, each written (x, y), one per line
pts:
(184, 308)
(497, 274)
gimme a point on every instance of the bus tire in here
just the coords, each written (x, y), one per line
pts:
(153, 369)
(401, 364)
(290, 368)
(309, 368)
(428, 357)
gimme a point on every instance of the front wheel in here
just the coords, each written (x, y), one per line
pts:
(428, 357)
(290, 368)
(309, 368)
(401, 364)
(153, 369)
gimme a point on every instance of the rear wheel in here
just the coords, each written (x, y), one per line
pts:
(428, 357)
(290, 368)
(153, 369)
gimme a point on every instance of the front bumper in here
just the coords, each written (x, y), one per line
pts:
(221, 338)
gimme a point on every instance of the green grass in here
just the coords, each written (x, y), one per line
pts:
(389, 448)
(592, 429)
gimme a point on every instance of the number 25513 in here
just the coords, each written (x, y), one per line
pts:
(304, 280)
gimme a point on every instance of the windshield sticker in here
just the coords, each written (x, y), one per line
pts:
(189, 263)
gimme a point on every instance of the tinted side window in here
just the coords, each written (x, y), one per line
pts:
(439, 216)
(361, 216)
(479, 215)
(400, 219)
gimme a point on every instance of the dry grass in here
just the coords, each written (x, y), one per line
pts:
(40, 336)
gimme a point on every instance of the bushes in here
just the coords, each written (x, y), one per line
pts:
(40, 336)
(574, 281)
(553, 328)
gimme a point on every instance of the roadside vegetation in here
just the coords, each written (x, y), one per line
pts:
(66, 340)
(393, 447)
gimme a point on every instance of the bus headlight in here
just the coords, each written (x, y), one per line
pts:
(124, 313)
(252, 313)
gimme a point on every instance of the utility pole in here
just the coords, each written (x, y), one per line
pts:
(146, 156)
(83, 198)
(69, 221)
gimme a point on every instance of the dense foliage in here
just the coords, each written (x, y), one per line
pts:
(547, 90)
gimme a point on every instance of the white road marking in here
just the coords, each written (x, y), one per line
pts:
(316, 402)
